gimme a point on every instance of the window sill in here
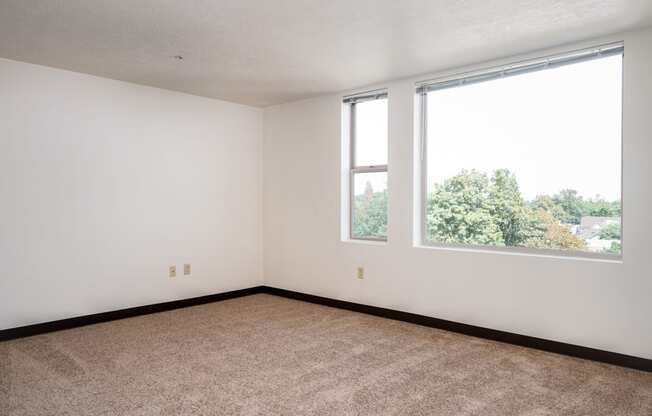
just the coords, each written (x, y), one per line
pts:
(365, 242)
(524, 253)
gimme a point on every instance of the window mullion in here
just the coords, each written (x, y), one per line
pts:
(367, 169)
(352, 135)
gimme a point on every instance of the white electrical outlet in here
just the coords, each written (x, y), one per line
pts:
(360, 273)
(172, 271)
(186, 269)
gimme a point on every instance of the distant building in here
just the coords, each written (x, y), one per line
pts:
(598, 245)
(589, 230)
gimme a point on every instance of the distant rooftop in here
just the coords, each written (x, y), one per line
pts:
(591, 226)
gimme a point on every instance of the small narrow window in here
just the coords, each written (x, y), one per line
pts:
(367, 128)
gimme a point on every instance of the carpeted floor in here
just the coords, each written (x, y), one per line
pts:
(265, 355)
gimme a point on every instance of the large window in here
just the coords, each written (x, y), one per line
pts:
(526, 157)
(367, 129)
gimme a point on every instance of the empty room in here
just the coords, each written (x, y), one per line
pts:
(312, 207)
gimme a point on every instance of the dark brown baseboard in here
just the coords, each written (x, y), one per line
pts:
(587, 353)
(42, 328)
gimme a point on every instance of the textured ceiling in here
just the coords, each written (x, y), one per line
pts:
(272, 51)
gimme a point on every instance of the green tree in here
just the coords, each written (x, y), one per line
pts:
(548, 204)
(610, 232)
(471, 208)
(554, 234)
(615, 248)
(572, 205)
(509, 209)
(598, 207)
(569, 208)
(459, 211)
(370, 213)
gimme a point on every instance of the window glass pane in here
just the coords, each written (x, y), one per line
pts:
(532, 160)
(370, 136)
(369, 210)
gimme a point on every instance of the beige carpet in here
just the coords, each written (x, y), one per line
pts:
(265, 355)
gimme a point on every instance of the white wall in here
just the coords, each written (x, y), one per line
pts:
(103, 184)
(606, 305)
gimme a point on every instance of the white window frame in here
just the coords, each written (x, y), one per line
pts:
(350, 103)
(488, 74)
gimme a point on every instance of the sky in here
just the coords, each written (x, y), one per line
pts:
(554, 129)
(371, 143)
(371, 132)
